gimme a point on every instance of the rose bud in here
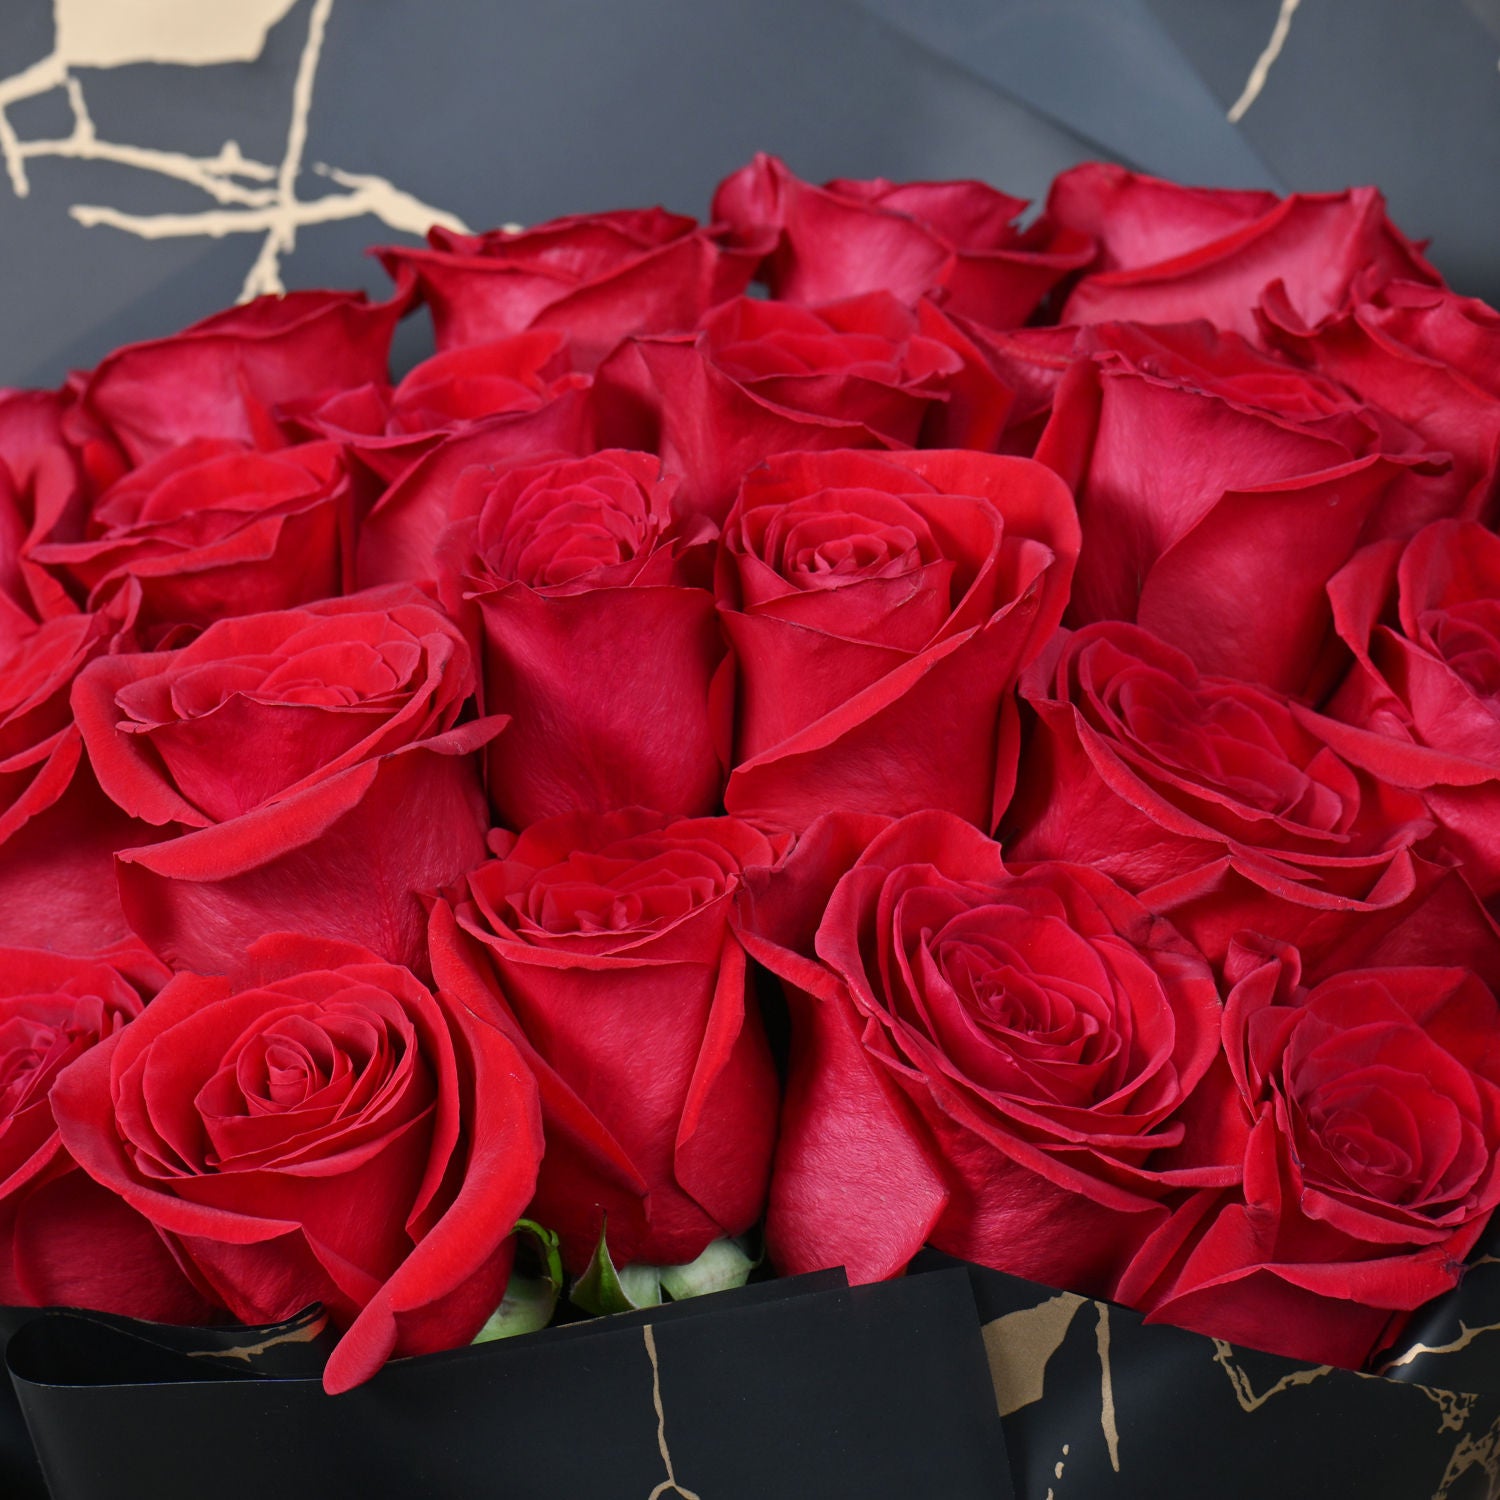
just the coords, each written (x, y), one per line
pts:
(769, 377)
(1215, 800)
(318, 1127)
(68, 1241)
(596, 277)
(600, 637)
(1421, 705)
(880, 607)
(955, 241)
(226, 376)
(1195, 458)
(58, 832)
(601, 945)
(1370, 1169)
(1004, 1064)
(308, 770)
(1169, 253)
(213, 529)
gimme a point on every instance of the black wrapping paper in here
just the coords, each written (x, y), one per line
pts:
(1096, 1402)
(20, 1475)
(956, 1381)
(1455, 1340)
(129, 1351)
(789, 1388)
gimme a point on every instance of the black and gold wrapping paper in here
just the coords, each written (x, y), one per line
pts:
(956, 1381)
(1097, 1403)
(1455, 1340)
(802, 1387)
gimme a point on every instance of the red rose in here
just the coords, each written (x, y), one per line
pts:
(1214, 799)
(956, 241)
(1169, 253)
(58, 832)
(600, 638)
(54, 1218)
(596, 277)
(225, 377)
(318, 1127)
(1430, 359)
(212, 529)
(880, 607)
(998, 1063)
(39, 748)
(602, 946)
(1370, 1169)
(1030, 364)
(768, 377)
(399, 539)
(1195, 458)
(309, 768)
(387, 430)
(1422, 704)
(463, 384)
(42, 492)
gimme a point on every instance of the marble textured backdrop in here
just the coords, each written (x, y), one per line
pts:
(162, 157)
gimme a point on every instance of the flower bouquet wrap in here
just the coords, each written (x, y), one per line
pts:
(848, 850)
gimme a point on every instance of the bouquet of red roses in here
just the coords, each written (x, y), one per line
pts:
(859, 719)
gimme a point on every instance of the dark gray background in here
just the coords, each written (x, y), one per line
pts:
(497, 110)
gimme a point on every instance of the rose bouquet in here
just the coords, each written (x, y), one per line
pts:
(864, 724)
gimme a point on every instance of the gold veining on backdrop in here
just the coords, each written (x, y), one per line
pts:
(1057, 1472)
(1239, 1381)
(302, 1333)
(1466, 1336)
(1482, 1452)
(1454, 1407)
(669, 1485)
(108, 34)
(1019, 1344)
(253, 197)
(1265, 62)
(1107, 1389)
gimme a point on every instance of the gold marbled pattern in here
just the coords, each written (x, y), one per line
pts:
(250, 197)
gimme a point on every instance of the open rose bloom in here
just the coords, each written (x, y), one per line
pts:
(849, 728)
